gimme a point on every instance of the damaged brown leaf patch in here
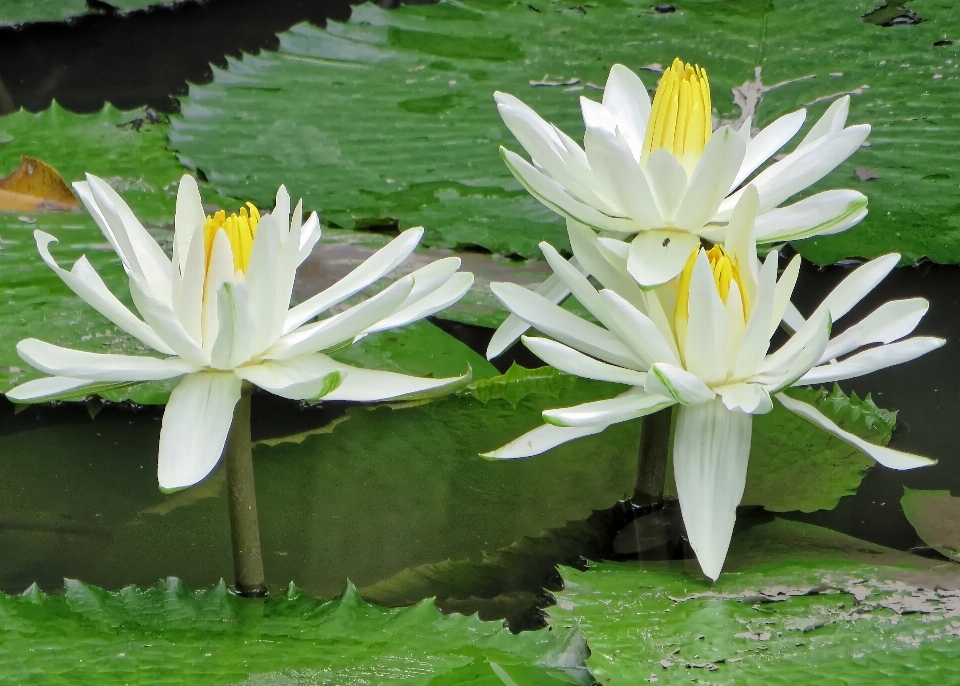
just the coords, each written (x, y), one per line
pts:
(35, 186)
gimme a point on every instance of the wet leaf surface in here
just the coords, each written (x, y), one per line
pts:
(936, 517)
(171, 634)
(14, 12)
(796, 604)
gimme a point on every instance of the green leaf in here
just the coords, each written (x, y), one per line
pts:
(795, 465)
(313, 113)
(123, 148)
(171, 634)
(936, 517)
(420, 349)
(519, 382)
(434, 70)
(14, 12)
(796, 604)
(904, 86)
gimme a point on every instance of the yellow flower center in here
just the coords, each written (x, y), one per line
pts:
(239, 229)
(726, 270)
(681, 119)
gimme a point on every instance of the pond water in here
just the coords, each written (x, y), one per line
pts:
(363, 493)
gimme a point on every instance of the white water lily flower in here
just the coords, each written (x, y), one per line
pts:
(220, 312)
(661, 173)
(702, 341)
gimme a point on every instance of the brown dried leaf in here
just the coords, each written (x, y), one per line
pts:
(35, 186)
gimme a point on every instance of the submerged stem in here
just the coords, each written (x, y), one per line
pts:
(652, 460)
(242, 501)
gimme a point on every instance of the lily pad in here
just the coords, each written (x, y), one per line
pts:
(418, 81)
(14, 12)
(903, 81)
(936, 517)
(389, 119)
(170, 633)
(796, 466)
(796, 604)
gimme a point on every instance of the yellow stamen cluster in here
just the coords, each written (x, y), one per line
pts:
(239, 229)
(726, 270)
(681, 119)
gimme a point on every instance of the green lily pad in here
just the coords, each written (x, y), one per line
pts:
(389, 119)
(796, 604)
(936, 517)
(903, 82)
(170, 633)
(15, 12)
(796, 466)
(316, 109)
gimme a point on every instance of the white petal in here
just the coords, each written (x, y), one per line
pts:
(281, 208)
(745, 397)
(373, 268)
(706, 351)
(832, 121)
(741, 238)
(150, 261)
(238, 330)
(564, 326)
(369, 385)
(454, 289)
(542, 439)
(625, 94)
(890, 322)
(77, 364)
(822, 214)
(87, 284)
(591, 260)
(710, 454)
(781, 300)
(630, 405)
(162, 319)
(765, 144)
(711, 180)
(49, 386)
(188, 283)
(615, 251)
(575, 178)
(310, 233)
(188, 220)
(310, 377)
(872, 360)
(858, 284)
(894, 459)
(553, 290)
(579, 286)
(269, 282)
(341, 327)
(658, 256)
(756, 337)
(677, 383)
(617, 170)
(195, 428)
(568, 360)
(554, 196)
(803, 168)
(220, 270)
(638, 332)
(797, 356)
(668, 182)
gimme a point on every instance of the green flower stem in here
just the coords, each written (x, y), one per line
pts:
(655, 433)
(242, 500)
